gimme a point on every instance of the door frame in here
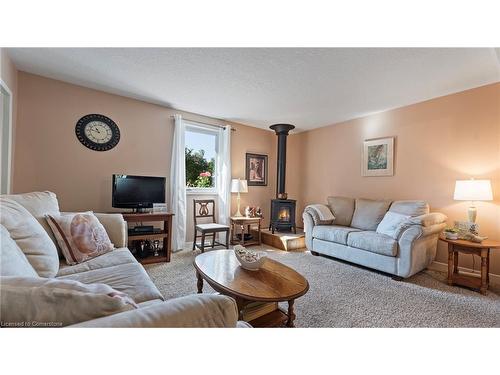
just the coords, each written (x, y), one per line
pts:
(6, 90)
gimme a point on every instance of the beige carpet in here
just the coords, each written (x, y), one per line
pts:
(345, 295)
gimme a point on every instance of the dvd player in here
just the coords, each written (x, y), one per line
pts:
(141, 229)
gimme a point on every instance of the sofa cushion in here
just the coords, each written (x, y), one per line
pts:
(374, 242)
(369, 213)
(332, 233)
(129, 278)
(115, 226)
(113, 258)
(410, 208)
(150, 302)
(30, 236)
(56, 303)
(13, 262)
(80, 235)
(39, 204)
(342, 208)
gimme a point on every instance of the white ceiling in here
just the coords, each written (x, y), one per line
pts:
(308, 87)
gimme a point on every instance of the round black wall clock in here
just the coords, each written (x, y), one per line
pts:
(97, 132)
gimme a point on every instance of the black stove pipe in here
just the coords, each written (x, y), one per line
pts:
(282, 132)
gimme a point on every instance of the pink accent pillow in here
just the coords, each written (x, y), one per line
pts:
(80, 236)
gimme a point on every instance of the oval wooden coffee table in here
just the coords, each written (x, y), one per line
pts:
(274, 282)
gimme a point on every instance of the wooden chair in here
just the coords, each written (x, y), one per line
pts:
(205, 208)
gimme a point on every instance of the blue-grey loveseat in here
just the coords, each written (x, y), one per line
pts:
(353, 237)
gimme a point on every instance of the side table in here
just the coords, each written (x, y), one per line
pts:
(481, 249)
(245, 223)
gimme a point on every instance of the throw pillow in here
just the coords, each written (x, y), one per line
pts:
(369, 213)
(45, 302)
(30, 236)
(392, 224)
(80, 236)
(13, 262)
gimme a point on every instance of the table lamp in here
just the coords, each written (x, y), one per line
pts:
(238, 186)
(473, 190)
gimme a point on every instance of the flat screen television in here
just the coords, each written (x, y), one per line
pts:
(137, 192)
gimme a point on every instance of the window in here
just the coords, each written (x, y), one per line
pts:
(201, 153)
(5, 137)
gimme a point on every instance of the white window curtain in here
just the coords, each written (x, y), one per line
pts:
(178, 185)
(224, 174)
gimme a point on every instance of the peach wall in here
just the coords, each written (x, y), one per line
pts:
(437, 142)
(8, 74)
(263, 142)
(49, 156)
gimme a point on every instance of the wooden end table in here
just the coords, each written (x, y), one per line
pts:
(245, 223)
(482, 250)
(274, 282)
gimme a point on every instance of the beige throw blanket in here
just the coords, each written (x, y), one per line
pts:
(320, 213)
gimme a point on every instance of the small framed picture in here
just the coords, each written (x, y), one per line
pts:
(256, 169)
(378, 157)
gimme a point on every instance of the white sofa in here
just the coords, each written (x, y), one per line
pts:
(352, 236)
(117, 269)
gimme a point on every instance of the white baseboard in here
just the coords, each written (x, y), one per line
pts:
(443, 267)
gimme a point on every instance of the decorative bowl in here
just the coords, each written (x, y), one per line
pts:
(451, 235)
(249, 259)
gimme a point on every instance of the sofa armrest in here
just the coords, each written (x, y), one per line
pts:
(415, 231)
(116, 227)
(308, 228)
(421, 226)
(197, 310)
(417, 248)
(428, 220)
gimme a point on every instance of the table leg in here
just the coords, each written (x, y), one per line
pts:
(260, 234)
(484, 271)
(455, 262)
(291, 314)
(488, 268)
(242, 228)
(231, 233)
(240, 304)
(199, 282)
(450, 264)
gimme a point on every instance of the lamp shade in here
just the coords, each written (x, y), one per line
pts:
(239, 186)
(473, 190)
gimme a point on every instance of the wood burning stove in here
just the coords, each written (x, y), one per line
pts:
(282, 210)
(283, 215)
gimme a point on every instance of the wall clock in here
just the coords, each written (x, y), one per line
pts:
(97, 132)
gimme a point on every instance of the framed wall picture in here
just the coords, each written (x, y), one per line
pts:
(256, 169)
(378, 157)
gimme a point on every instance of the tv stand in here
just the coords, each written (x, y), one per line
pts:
(164, 234)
